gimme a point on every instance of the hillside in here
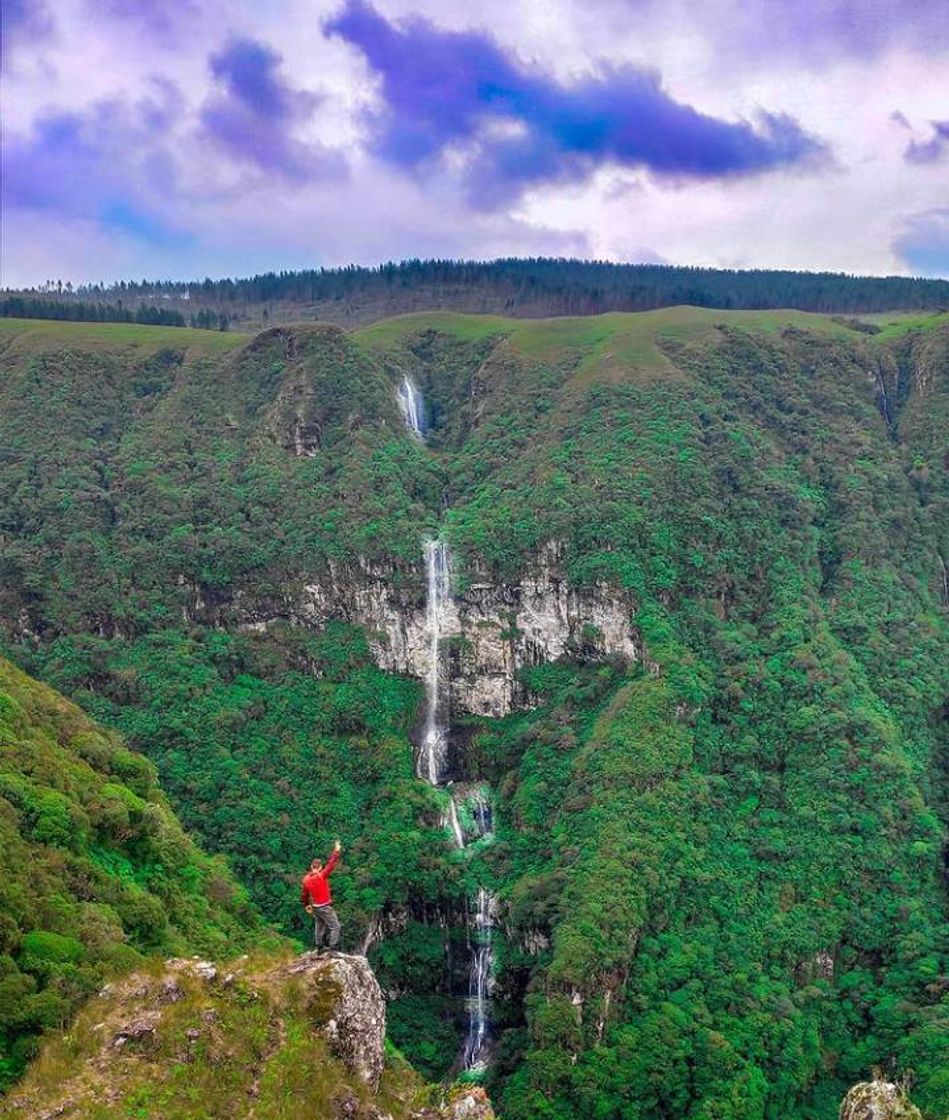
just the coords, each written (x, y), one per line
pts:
(695, 643)
(96, 873)
(521, 288)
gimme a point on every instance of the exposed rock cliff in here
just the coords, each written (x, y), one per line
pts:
(494, 629)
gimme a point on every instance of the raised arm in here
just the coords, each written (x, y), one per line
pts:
(333, 860)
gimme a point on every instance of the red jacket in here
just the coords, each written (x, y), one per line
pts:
(316, 885)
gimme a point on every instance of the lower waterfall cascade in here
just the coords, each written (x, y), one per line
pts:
(431, 765)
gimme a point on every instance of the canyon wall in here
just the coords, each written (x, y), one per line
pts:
(493, 629)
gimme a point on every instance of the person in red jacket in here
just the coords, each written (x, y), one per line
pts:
(315, 896)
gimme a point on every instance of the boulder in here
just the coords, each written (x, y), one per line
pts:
(470, 1103)
(139, 1029)
(878, 1100)
(344, 1000)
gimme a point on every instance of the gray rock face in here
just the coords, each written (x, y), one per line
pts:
(878, 1100)
(139, 1029)
(469, 1104)
(463, 1102)
(345, 1001)
(494, 629)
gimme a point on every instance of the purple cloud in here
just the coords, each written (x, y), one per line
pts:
(862, 30)
(811, 32)
(23, 21)
(931, 150)
(443, 89)
(255, 112)
(923, 242)
(161, 19)
(109, 165)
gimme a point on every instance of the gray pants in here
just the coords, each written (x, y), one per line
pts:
(325, 922)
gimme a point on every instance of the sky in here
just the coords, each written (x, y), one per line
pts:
(190, 138)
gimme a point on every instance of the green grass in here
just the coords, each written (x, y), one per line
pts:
(610, 345)
(894, 324)
(41, 334)
(210, 1047)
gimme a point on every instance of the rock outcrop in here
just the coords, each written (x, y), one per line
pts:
(301, 1037)
(344, 1000)
(494, 629)
(465, 1102)
(878, 1100)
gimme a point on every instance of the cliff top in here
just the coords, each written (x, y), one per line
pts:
(261, 1037)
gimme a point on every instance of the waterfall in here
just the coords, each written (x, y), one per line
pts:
(481, 809)
(413, 407)
(453, 822)
(480, 981)
(431, 766)
(435, 736)
(432, 761)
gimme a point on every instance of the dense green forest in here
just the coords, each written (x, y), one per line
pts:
(514, 286)
(95, 870)
(719, 868)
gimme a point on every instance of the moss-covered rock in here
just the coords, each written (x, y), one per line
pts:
(878, 1100)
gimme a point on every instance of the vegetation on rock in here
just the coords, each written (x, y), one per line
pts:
(190, 1040)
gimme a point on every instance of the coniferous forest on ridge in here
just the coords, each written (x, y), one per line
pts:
(720, 868)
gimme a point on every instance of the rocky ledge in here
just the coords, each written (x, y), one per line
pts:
(301, 1037)
(344, 1000)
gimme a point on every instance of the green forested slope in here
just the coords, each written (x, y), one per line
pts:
(733, 853)
(95, 870)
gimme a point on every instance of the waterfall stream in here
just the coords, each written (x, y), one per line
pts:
(480, 947)
(432, 761)
(431, 767)
(412, 405)
(435, 736)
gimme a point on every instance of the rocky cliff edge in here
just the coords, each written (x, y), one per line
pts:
(262, 1038)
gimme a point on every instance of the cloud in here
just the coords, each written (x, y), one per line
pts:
(161, 19)
(111, 170)
(862, 30)
(521, 127)
(23, 22)
(810, 33)
(923, 242)
(110, 163)
(932, 150)
(254, 114)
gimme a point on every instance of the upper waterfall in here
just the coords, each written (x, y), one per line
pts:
(412, 405)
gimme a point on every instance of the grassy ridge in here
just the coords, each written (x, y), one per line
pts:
(37, 335)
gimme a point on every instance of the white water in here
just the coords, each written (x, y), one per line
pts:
(452, 821)
(413, 407)
(480, 982)
(435, 735)
(432, 760)
(481, 950)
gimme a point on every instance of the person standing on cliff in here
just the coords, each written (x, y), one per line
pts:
(315, 896)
